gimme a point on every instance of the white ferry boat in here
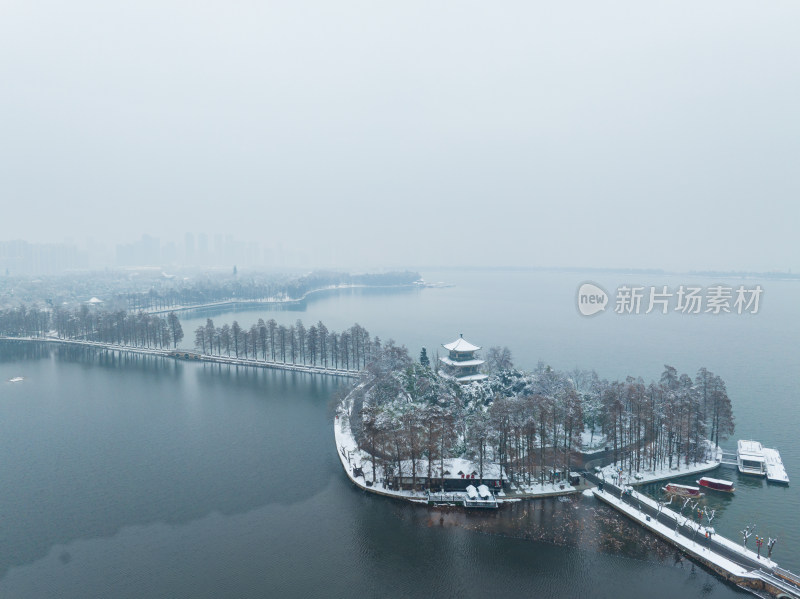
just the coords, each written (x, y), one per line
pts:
(750, 458)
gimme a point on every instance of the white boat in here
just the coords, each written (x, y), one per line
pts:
(472, 492)
(750, 458)
(481, 497)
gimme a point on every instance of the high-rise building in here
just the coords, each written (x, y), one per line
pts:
(189, 249)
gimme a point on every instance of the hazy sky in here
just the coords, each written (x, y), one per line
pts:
(369, 133)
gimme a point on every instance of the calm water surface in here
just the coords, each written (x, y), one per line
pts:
(131, 477)
(534, 313)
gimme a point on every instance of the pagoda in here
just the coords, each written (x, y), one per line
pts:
(461, 363)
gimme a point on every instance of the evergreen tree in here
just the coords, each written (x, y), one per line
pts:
(423, 358)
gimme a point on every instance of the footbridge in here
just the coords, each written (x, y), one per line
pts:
(746, 568)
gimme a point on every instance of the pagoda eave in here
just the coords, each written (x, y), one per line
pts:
(462, 363)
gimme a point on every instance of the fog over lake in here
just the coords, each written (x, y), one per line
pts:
(133, 476)
(363, 135)
(238, 158)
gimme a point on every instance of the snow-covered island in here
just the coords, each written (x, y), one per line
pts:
(474, 432)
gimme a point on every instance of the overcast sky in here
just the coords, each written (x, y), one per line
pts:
(635, 134)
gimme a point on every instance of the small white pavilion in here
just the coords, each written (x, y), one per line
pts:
(461, 363)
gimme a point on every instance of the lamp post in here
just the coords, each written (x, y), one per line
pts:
(747, 533)
(770, 544)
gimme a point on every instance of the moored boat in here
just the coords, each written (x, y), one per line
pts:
(682, 490)
(716, 484)
(750, 458)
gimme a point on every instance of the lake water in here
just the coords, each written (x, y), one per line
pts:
(141, 476)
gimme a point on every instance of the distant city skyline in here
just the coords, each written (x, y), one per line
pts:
(196, 250)
(222, 251)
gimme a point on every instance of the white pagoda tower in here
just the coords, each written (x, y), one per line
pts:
(461, 363)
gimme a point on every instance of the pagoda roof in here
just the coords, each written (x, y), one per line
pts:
(461, 344)
(462, 363)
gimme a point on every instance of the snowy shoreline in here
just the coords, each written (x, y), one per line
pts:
(173, 353)
(266, 301)
(348, 452)
(353, 458)
(610, 472)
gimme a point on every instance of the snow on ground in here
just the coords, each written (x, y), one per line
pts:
(351, 456)
(611, 472)
(644, 499)
(592, 443)
(587, 493)
(775, 470)
(539, 490)
(218, 359)
(688, 545)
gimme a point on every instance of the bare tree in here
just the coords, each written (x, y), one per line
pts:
(498, 358)
(236, 337)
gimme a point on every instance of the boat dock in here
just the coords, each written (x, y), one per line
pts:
(776, 473)
(743, 567)
(463, 499)
(753, 458)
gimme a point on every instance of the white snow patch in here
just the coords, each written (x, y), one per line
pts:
(592, 443)
(691, 546)
(612, 472)
(545, 489)
(351, 456)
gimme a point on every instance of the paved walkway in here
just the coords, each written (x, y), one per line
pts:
(153, 351)
(759, 567)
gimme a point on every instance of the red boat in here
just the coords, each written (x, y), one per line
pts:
(682, 490)
(716, 484)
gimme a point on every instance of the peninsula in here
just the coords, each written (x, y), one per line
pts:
(442, 432)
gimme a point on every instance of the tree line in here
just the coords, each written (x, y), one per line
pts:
(532, 423)
(171, 293)
(22, 321)
(92, 324)
(316, 345)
